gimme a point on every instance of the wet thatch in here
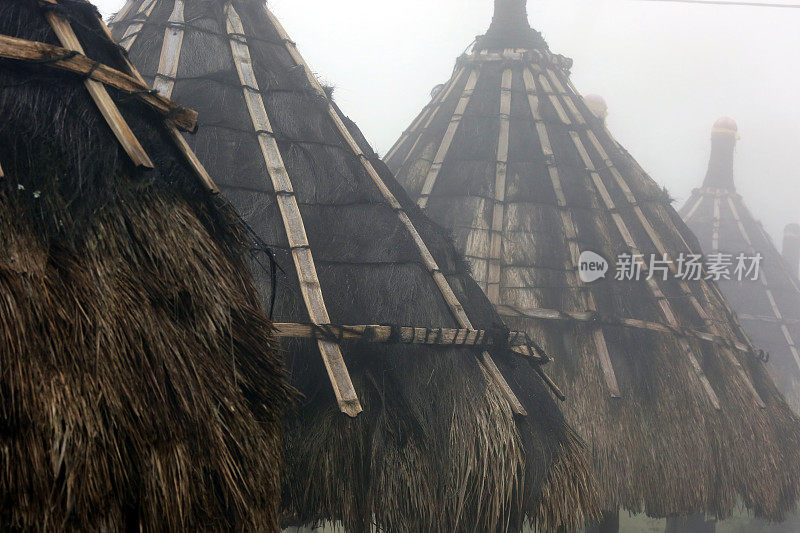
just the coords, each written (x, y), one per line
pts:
(768, 307)
(437, 447)
(511, 160)
(139, 381)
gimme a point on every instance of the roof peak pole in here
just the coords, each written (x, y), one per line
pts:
(510, 28)
(723, 144)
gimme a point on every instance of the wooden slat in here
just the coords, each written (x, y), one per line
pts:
(447, 292)
(122, 13)
(22, 50)
(690, 212)
(765, 284)
(164, 80)
(494, 273)
(133, 29)
(426, 115)
(570, 232)
(290, 212)
(98, 92)
(663, 303)
(447, 140)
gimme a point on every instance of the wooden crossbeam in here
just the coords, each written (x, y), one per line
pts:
(101, 98)
(177, 139)
(380, 334)
(495, 376)
(292, 219)
(570, 232)
(98, 73)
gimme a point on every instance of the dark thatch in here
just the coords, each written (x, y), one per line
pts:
(140, 385)
(769, 307)
(436, 448)
(566, 187)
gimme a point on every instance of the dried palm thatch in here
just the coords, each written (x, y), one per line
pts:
(767, 302)
(436, 447)
(661, 381)
(140, 385)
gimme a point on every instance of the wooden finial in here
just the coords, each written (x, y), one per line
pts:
(510, 28)
(724, 135)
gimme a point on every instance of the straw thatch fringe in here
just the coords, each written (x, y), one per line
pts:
(140, 388)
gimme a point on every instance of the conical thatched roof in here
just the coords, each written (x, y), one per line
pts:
(679, 412)
(768, 302)
(436, 447)
(140, 384)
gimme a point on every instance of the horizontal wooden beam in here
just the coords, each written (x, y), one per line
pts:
(517, 341)
(77, 63)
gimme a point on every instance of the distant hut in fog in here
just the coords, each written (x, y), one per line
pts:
(437, 446)
(661, 381)
(768, 306)
(139, 381)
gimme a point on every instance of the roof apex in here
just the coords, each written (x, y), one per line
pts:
(510, 28)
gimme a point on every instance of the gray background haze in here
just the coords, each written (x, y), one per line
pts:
(668, 71)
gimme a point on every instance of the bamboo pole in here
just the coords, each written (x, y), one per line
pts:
(447, 140)
(98, 92)
(290, 212)
(164, 80)
(133, 29)
(449, 296)
(494, 268)
(570, 231)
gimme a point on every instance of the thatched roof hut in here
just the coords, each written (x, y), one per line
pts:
(677, 408)
(437, 446)
(767, 302)
(140, 383)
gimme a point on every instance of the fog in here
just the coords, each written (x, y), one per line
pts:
(667, 71)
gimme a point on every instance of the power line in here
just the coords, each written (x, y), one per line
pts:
(726, 3)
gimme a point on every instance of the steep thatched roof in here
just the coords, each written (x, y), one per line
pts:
(139, 381)
(769, 306)
(436, 446)
(679, 413)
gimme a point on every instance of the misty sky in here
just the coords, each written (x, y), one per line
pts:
(668, 71)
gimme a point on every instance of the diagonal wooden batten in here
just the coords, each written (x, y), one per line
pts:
(58, 57)
(164, 80)
(447, 140)
(655, 239)
(290, 212)
(122, 13)
(765, 283)
(570, 231)
(101, 98)
(180, 143)
(658, 295)
(494, 274)
(426, 115)
(133, 29)
(449, 296)
(690, 212)
(2, 174)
